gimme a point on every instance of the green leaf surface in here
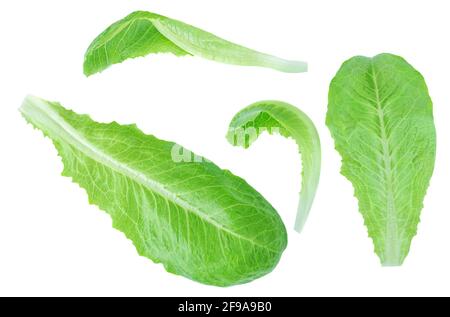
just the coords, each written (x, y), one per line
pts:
(198, 220)
(142, 33)
(381, 118)
(279, 117)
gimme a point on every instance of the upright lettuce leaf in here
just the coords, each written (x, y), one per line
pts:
(285, 119)
(381, 118)
(142, 33)
(198, 220)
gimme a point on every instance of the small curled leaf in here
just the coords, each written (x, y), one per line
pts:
(289, 121)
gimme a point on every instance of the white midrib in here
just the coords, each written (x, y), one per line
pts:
(37, 110)
(392, 245)
(167, 27)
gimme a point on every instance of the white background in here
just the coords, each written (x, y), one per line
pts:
(52, 242)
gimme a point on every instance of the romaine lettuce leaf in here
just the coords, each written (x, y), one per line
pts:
(279, 117)
(381, 118)
(142, 33)
(196, 219)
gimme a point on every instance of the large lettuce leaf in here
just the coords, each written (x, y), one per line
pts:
(198, 220)
(142, 33)
(279, 117)
(381, 118)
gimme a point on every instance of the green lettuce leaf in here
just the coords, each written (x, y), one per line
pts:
(142, 33)
(381, 118)
(280, 117)
(196, 219)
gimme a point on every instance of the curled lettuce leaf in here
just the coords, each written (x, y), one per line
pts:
(279, 117)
